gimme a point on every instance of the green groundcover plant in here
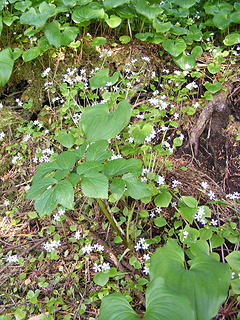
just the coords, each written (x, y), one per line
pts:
(178, 290)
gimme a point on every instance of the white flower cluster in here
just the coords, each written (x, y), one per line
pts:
(58, 215)
(74, 75)
(101, 267)
(192, 85)
(89, 248)
(233, 196)
(2, 135)
(12, 259)
(176, 183)
(16, 159)
(200, 216)
(161, 180)
(50, 246)
(151, 136)
(142, 244)
(45, 157)
(46, 72)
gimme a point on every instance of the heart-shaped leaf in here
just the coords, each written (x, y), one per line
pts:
(148, 11)
(95, 186)
(102, 79)
(160, 26)
(174, 47)
(213, 87)
(185, 4)
(6, 66)
(59, 38)
(84, 14)
(109, 4)
(113, 21)
(120, 166)
(106, 124)
(40, 16)
(98, 151)
(232, 38)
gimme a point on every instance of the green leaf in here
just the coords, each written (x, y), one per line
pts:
(95, 186)
(1, 25)
(38, 17)
(174, 47)
(160, 26)
(213, 87)
(185, 4)
(133, 261)
(66, 160)
(97, 151)
(106, 124)
(190, 201)
(64, 194)
(43, 169)
(109, 4)
(102, 77)
(113, 21)
(120, 166)
(74, 179)
(59, 38)
(84, 14)
(101, 278)
(46, 203)
(233, 260)
(99, 41)
(163, 199)
(117, 188)
(136, 189)
(160, 222)
(148, 11)
(20, 314)
(6, 66)
(205, 285)
(188, 213)
(89, 168)
(31, 54)
(65, 138)
(221, 20)
(39, 187)
(124, 39)
(214, 68)
(232, 38)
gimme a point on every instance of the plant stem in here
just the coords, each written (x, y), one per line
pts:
(112, 222)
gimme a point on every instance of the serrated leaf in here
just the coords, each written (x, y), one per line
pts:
(136, 189)
(66, 160)
(39, 187)
(120, 166)
(64, 194)
(46, 203)
(98, 151)
(89, 168)
(117, 188)
(95, 186)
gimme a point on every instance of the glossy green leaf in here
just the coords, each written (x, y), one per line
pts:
(190, 201)
(101, 278)
(99, 41)
(65, 138)
(102, 79)
(6, 66)
(221, 20)
(174, 47)
(160, 26)
(160, 222)
(89, 168)
(163, 199)
(213, 87)
(109, 4)
(59, 38)
(31, 54)
(233, 260)
(106, 124)
(232, 38)
(120, 166)
(46, 203)
(1, 24)
(185, 3)
(148, 11)
(66, 160)
(95, 186)
(39, 187)
(38, 17)
(113, 21)
(124, 39)
(136, 189)
(214, 68)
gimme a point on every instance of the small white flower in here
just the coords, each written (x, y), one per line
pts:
(138, 246)
(176, 183)
(144, 171)
(147, 59)
(77, 235)
(12, 259)
(87, 249)
(46, 72)
(146, 270)
(196, 104)
(97, 267)
(56, 217)
(1, 105)
(98, 247)
(158, 210)
(211, 195)
(161, 180)
(105, 266)
(146, 257)
(27, 137)
(145, 246)
(2, 135)
(131, 139)
(61, 212)
(52, 245)
(185, 234)
(204, 185)
(214, 222)
(192, 85)
(181, 137)
(6, 203)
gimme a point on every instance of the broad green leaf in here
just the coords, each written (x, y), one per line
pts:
(40, 16)
(136, 189)
(125, 11)
(66, 160)
(148, 11)
(1, 24)
(74, 179)
(43, 169)
(22, 5)
(233, 260)
(185, 3)
(235, 17)
(116, 307)
(59, 38)
(101, 278)
(65, 138)
(99, 41)
(174, 47)
(20, 314)
(106, 124)
(39, 187)
(102, 78)
(185, 62)
(113, 21)
(213, 87)
(117, 187)
(120, 166)
(89, 168)
(163, 199)
(216, 241)
(124, 39)
(95, 186)
(160, 26)
(160, 222)
(84, 14)
(232, 38)
(214, 68)
(190, 201)
(6, 66)
(188, 213)
(97, 151)
(64, 194)
(31, 54)
(60, 174)
(109, 4)
(205, 284)
(46, 203)
(221, 20)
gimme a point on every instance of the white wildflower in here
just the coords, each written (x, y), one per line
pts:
(204, 185)
(105, 266)
(161, 180)
(87, 249)
(214, 222)
(211, 195)
(98, 247)
(146, 257)
(12, 259)
(2, 135)
(146, 270)
(185, 234)
(176, 183)
(97, 267)
(46, 72)
(192, 85)
(77, 235)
